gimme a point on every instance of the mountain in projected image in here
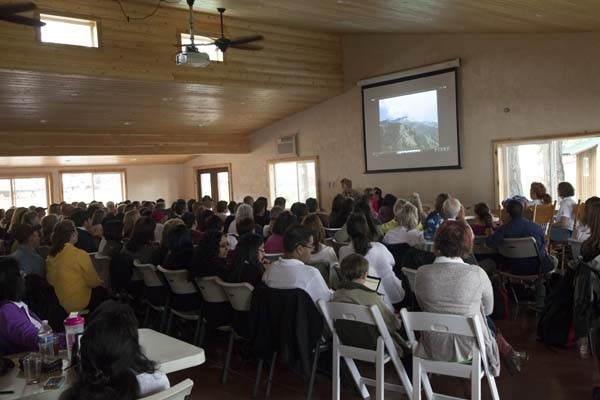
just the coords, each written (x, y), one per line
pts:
(409, 123)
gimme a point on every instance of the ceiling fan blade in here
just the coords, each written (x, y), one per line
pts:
(246, 46)
(17, 19)
(246, 39)
(16, 8)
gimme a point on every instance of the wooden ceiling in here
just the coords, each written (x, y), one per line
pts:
(128, 97)
(66, 161)
(416, 16)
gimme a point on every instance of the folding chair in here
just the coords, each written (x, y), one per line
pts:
(240, 297)
(516, 248)
(454, 325)
(153, 285)
(177, 392)
(102, 266)
(385, 350)
(411, 275)
(330, 232)
(273, 256)
(543, 215)
(216, 305)
(325, 270)
(180, 286)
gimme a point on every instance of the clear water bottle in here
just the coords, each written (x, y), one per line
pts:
(46, 342)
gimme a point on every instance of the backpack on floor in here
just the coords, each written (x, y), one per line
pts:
(557, 316)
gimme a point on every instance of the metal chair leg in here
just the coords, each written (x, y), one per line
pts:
(228, 357)
(313, 373)
(199, 326)
(169, 324)
(146, 316)
(259, 369)
(270, 380)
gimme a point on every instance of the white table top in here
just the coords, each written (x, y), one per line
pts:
(169, 353)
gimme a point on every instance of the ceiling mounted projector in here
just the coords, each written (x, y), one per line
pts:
(192, 59)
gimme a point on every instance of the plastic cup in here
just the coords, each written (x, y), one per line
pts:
(32, 367)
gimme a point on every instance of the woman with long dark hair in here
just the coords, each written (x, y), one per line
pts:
(113, 365)
(484, 221)
(210, 256)
(381, 261)
(141, 245)
(249, 262)
(340, 209)
(361, 207)
(181, 248)
(274, 243)
(71, 272)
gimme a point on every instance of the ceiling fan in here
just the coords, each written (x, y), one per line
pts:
(222, 43)
(8, 13)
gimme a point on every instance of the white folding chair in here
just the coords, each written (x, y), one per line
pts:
(324, 269)
(179, 285)
(330, 232)
(411, 275)
(102, 266)
(273, 256)
(177, 392)
(240, 297)
(152, 280)
(385, 350)
(452, 325)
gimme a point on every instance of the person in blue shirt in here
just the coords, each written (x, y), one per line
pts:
(29, 259)
(519, 227)
(435, 218)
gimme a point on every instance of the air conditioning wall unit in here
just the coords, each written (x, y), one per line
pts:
(286, 145)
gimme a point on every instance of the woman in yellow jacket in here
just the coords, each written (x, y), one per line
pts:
(71, 272)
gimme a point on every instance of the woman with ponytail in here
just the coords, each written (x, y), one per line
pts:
(71, 272)
(112, 365)
(381, 261)
(484, 222)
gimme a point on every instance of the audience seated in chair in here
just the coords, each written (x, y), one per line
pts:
(249, 263)
(291, 270)
(181, 248)
(590, 248)
(564, 219)
(381, 261)
(450, 286)
(483, 224)
(48, 223)
(30, 261)
(352, 289)
(111, 244)
(83, 222)
(361, 207)
(582, 226)
(112, 364)
(18, 325)
(406, 230)
(322, 252)
(210, 256)
(435, 218)
(518, 227)
(71, 272)
(274, 243)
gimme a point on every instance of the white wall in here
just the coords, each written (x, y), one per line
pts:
(144, 182)
(550, 82)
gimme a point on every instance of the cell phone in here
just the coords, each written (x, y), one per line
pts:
(54, 382)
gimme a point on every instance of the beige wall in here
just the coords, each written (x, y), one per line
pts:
(550, 82)
(144, 182)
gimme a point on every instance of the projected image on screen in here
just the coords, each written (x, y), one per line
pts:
(409, 123)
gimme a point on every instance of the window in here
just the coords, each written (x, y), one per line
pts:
(71, 31)
(24, 192)
(294, 180)
(548, 161)
(89, 186)
(214, 54)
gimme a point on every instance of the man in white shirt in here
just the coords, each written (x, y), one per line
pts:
(291, 272)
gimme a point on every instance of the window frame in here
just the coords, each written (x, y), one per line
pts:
(498, 156)
(123, 173)
(197, 168)
(46, 176)
(61, 14)
(272, 162)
